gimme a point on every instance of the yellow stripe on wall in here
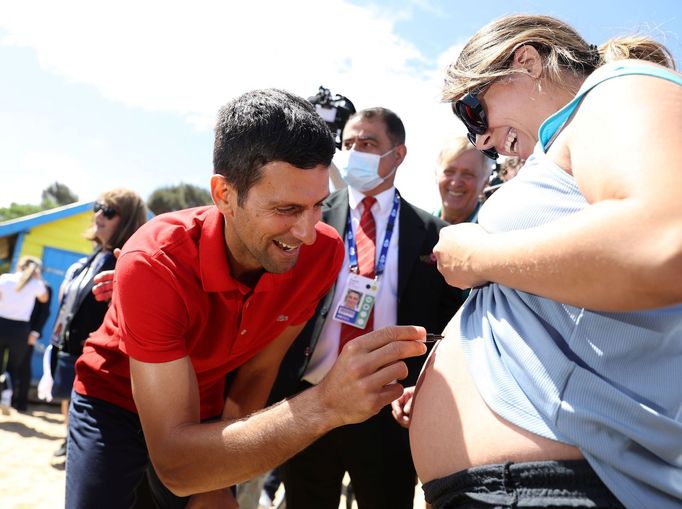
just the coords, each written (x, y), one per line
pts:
(67, 234)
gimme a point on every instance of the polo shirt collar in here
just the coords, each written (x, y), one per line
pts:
(216, 274)
(473, 218)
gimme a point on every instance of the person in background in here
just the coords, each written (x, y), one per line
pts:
(506, 169)
(117, 215)
(389, 245)
(510, 167)
(558, 378)
(18, 293)
(40, 314)
(462, 174)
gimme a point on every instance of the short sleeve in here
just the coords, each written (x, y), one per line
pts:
(151, 311)
(40, 288)
(323, 277)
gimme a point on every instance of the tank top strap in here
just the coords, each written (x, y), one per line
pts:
(554, 124)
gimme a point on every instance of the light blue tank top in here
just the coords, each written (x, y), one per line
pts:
(609, 383)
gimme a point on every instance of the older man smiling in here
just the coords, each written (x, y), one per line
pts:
(462, 174)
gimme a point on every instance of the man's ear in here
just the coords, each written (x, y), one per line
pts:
(527, 57)
(224, 194)
(400, 153)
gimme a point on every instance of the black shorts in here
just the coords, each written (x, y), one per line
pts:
(534, 484)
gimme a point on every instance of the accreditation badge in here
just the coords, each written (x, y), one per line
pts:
(359, 294)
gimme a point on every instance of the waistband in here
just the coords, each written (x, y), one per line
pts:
(540, 483)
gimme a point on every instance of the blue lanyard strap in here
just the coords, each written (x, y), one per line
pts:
(350, 238)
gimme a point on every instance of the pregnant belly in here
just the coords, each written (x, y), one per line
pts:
(452, 428)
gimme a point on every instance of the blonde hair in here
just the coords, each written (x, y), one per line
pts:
(28, 265)
(488, 55)
(132, 211)
(453, 147)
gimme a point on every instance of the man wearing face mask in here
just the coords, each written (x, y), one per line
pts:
(388, 263)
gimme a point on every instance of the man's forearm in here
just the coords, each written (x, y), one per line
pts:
(248, 393)
(190, 457)
(252, 385)
(214, 455)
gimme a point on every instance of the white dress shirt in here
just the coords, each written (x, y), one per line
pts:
(18, 305)
(386, 304)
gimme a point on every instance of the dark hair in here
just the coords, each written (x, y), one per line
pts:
(132, 211)
(394, 126)
(268, 125)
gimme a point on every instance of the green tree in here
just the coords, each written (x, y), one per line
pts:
(56, 195)
(182, 196)
(18, 210)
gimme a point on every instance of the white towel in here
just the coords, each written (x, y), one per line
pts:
(45, 384)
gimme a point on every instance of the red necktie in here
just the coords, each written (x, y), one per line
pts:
(365, 247)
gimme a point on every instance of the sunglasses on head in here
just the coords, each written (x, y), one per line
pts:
(470, 111)
(108, 212)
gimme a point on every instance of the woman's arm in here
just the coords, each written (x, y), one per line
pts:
(44, 296)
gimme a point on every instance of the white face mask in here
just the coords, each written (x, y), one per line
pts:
(360, 170)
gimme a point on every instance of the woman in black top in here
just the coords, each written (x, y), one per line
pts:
(118, 213)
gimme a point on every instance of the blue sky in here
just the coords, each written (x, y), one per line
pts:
(99, 95)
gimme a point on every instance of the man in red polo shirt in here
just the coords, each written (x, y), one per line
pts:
(204, 292)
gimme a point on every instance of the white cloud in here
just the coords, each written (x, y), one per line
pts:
(189, 59)
(168, 56)
(36, 171)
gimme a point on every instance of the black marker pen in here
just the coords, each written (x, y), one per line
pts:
(433, 338)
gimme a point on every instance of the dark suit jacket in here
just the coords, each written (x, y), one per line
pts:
(424, 298)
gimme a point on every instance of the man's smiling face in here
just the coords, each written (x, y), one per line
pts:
(277, 217)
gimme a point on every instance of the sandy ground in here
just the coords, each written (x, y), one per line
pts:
(30, 478)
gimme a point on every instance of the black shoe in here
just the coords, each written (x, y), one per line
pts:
(61, 451)
(20, 406)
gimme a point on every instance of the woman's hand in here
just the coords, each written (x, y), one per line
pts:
(33, 338)
(457, 252)
(104, 283)
(103, 289)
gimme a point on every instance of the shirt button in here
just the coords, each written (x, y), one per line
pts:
(246, 305)
(243, 332)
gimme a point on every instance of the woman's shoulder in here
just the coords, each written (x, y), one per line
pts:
(622, 80)
(626, 85)
(624, 127)
(612, 94)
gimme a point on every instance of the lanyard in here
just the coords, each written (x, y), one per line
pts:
(350, 238)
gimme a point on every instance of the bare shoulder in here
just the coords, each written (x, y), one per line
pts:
(614, 99)
(626, 129)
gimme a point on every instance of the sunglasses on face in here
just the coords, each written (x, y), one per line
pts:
(108, 212)
(470, 111)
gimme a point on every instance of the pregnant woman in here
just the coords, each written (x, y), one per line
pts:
(558, 382)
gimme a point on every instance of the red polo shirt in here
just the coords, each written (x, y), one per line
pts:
(175, 297)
